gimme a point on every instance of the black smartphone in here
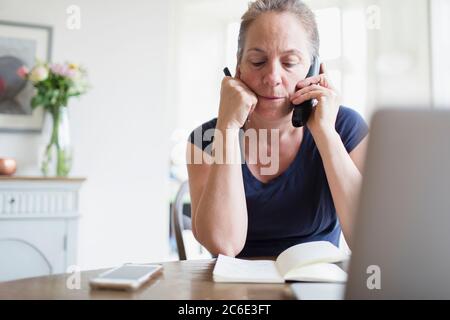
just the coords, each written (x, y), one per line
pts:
(303, 110)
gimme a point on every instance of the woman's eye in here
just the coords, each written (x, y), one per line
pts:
(258, 64)
(289, 64)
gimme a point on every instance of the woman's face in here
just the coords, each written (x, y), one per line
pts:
(276, 57)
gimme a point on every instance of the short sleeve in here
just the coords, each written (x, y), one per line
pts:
(351, 127)
(203, 136)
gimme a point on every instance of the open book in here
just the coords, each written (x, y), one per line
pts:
(311, 261)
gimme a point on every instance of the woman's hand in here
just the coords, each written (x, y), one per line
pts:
(237, 102)
(324, 114)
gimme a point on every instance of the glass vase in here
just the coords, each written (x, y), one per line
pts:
(57, 157)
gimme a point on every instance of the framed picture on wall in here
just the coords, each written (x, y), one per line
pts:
(20, 45)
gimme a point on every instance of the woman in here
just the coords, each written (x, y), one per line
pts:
(236, 210)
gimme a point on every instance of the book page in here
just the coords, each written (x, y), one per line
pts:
(318, 272)
(308, 253)
(229, 269)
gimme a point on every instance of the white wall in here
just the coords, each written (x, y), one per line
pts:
(440, 24)
(200, 53)
(120, 129)
(399, 69)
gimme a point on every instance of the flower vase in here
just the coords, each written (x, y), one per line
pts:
(57, 158)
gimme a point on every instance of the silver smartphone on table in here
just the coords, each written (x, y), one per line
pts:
(125, 277)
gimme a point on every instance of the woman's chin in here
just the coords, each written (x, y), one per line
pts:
(273, 110)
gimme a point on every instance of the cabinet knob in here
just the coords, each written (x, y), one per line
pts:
(12, 201)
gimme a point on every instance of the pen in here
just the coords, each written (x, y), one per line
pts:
(227, 72)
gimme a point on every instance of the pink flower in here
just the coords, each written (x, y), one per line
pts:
(65, 70)
(72, 74)
(22, 72)
(58, 69)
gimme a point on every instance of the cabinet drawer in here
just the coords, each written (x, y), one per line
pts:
(37, 202)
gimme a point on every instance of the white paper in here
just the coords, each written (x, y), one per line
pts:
(319, 272)
(309, 253)
(312, 261)
(229, 269)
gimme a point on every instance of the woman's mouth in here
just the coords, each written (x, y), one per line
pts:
(271, 98)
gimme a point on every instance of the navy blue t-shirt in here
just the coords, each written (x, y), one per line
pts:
(296, 206)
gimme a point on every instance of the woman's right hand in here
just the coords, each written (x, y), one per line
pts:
(237, 102)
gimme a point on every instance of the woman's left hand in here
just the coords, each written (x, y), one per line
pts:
(324, 114)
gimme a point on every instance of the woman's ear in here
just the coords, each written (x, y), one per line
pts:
(238, 72)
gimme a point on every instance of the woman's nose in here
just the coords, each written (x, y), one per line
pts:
(273, 76)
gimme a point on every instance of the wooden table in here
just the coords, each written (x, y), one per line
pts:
(179, 280)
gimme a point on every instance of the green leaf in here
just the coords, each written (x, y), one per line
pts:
(35, 102)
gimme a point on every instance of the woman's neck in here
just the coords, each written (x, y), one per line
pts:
(284, 124)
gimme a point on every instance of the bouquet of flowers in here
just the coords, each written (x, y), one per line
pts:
(55, 84)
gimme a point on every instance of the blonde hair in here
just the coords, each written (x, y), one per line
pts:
(296, 7)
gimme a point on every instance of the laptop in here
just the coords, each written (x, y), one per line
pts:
(402, 232)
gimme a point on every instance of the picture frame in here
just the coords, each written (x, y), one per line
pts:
(21, 44)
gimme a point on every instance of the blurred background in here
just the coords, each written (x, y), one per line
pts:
(155, 69)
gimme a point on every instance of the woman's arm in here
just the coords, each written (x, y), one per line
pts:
(219, 207)
(344, 175)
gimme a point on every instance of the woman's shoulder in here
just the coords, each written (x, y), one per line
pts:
(347, 114)
(351, 126)
(203, 135)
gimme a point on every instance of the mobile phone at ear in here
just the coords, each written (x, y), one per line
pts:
(126, 277)
(302, 111)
